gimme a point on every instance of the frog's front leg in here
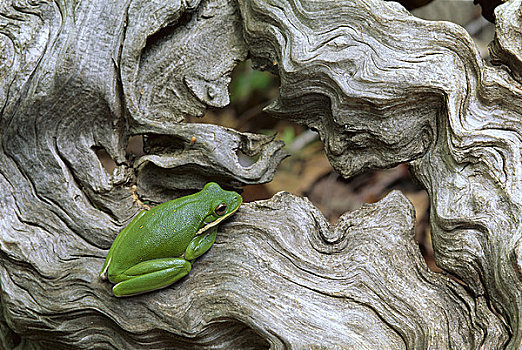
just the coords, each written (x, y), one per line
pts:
(149, 275)
(201, 244)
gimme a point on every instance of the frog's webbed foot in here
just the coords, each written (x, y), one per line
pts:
(201, 244)
(150, 275)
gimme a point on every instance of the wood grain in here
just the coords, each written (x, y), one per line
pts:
(379, 85)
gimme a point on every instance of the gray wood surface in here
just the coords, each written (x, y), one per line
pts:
(379, 85)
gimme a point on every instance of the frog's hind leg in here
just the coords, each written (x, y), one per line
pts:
(150, 275)
(117, 241)
(103, 273)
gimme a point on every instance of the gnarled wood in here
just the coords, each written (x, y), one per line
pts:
(387, 87)
(381, 86)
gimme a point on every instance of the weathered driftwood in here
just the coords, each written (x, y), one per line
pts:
(380, 86)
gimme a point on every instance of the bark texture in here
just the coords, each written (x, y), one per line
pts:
(379, 85)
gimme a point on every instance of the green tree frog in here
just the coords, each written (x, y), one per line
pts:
(158, 246)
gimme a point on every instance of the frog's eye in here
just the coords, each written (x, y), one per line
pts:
(221, 209)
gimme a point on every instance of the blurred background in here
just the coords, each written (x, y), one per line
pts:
(307, 171)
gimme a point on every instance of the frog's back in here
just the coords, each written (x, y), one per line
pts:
(162, 232)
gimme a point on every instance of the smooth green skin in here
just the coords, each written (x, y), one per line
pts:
(158, 246)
